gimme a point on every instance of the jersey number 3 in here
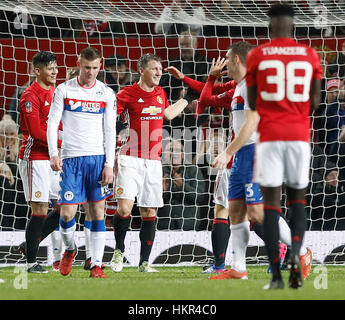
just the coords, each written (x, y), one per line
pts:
(286, 80)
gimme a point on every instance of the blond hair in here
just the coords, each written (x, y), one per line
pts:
(6, 172)
(6, 126)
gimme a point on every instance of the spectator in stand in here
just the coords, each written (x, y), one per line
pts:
(337, 66)
(330, 95)
(189, 62)
(13, 206)
(181, 10)
(9, 148)
(117, 75)
(339, 146)
(332, 90)
(14, 106)
(324, 202)
(184, 191)
(7, 197)
(334, 119)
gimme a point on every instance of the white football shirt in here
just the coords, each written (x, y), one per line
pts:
(238, 105)
(88, 117)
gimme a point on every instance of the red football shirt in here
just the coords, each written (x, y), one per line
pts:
(34, 110)
(282, 70)
(145, 113)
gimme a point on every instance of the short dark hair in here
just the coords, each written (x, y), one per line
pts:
(89, 54)
(281, 10)
(146, 58)
(115, 61)
(241, 49)
(43, 58)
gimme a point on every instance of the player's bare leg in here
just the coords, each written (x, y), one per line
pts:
(121, 221)
(147, 237)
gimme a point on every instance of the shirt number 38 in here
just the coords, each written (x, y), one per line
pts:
(286, 80)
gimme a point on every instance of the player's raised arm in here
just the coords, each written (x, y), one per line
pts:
(198, 86)
(207, 96)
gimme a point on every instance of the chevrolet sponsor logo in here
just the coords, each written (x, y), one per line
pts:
(152, 110)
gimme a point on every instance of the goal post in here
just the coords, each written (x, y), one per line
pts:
(123, 30)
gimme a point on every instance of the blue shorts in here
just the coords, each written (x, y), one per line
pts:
(80, 180)
(241, 185)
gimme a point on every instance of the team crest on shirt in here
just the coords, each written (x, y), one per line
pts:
(38, 194)
(119, 191)
(68, 195)
(28, 106)
(160, 100)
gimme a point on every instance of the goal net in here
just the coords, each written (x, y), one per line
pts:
(123, 31)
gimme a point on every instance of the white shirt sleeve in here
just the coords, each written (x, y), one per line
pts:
(55, 115)
(110, 114)
(245, 96)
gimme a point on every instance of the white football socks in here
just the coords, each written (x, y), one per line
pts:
(67, 230)
(97, 240)
(56, 244)
(239, 239)
(87, 234)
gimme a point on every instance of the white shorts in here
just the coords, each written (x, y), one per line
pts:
(40, 182)
(283, 161)
(139, 178)
(221, 187)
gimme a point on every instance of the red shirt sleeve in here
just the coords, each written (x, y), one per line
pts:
(218, 88)
(120, 101)
(195, 85)
(32, 118)
(207, 98)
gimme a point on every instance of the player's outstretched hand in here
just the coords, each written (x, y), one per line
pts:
(175, 73)
(56, 163)
(107, 176)
(217, 66)
(221, 161)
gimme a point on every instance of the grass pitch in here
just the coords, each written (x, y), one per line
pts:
(171, 283)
